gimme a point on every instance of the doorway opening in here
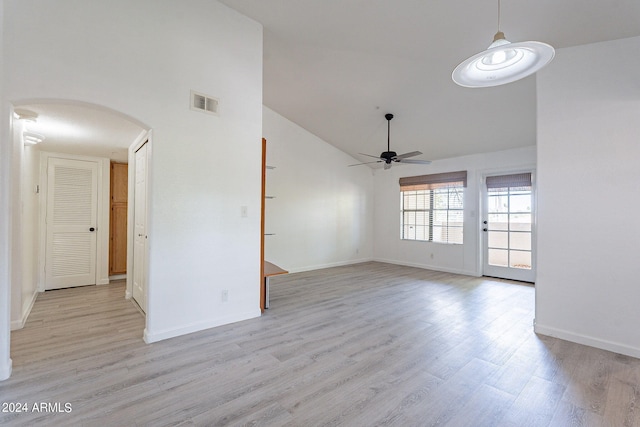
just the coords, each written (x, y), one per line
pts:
(65, 243)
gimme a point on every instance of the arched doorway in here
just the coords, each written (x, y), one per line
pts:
(52, 129)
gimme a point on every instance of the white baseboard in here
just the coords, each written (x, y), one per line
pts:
(588, 340)
(429, 267)
(5, 369)
(329, 265)
(151, 337)
(19, 324)
(117, 277)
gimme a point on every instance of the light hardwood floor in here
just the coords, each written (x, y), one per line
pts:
(363, 345)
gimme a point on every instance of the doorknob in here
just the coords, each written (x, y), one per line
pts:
(92, 229)
(484, 229)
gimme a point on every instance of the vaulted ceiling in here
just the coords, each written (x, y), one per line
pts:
(336, 67)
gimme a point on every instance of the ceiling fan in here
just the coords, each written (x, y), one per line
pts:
(390, 156)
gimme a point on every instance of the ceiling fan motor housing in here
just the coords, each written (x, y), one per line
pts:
(388, 156)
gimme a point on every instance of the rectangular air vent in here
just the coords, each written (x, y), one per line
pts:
(204, 103)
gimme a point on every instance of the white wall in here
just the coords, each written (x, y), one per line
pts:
(463, 259)
(30, 233)
(16, 225)
(588, 178)
(5, 217)
(322, 211)
(25, 211)
(142, 59)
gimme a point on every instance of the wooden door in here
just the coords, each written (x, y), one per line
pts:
(72, 207)
(140, 228)
(118, 219)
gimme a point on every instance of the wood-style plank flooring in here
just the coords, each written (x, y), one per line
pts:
(365, 345)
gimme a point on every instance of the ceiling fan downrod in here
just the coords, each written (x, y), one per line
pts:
(388, 116)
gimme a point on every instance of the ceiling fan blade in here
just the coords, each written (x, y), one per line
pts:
(411, 154)
(414, 161)
(369, 155)
(366, 163)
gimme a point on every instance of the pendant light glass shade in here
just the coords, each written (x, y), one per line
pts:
(503, 62)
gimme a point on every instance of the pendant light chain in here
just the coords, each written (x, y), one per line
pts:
(498, 15)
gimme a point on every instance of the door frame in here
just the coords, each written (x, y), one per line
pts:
(102, 231)
(483, 212)
(144, 138)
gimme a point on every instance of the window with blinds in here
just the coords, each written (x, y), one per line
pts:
(432, 207)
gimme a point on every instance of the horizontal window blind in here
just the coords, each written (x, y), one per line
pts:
(514, 180)
(433, 181)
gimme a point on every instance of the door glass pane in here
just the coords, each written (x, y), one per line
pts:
(520, 222)
(499, 239)
(498, 222)
(498, 203)
(499, 257)
(520, 259)
(518, 240)
(520, 203)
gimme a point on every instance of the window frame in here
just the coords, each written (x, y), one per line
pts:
(430, 210)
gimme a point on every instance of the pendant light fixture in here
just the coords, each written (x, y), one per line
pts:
(503, 62)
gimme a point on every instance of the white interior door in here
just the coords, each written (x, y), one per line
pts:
(72, 207)
(140, 229)
(508, 227)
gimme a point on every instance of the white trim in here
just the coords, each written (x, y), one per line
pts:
(588, 340)
(145, 137)
(329, 265)
(19, 324)
(5, 370)
(429, 267)
(150, 337)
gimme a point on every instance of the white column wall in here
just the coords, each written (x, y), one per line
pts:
(5, 217)
(588, 287)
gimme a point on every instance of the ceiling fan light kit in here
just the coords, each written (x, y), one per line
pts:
(503, 62)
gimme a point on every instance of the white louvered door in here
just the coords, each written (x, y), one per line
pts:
(72, 202)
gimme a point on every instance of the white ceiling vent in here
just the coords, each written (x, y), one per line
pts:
(204, 103)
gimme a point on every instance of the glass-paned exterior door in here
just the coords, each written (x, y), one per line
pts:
(508, 227)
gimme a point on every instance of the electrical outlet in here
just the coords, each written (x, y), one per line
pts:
(225, 295)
